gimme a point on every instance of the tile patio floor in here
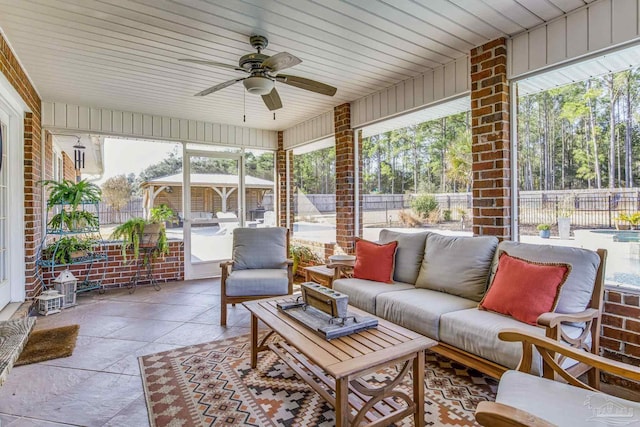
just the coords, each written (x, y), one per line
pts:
(100, 384)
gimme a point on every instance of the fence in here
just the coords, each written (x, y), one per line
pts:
(108, 215)
(586, 208)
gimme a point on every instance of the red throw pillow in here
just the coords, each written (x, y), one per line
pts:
(375, 261)
(523, 289)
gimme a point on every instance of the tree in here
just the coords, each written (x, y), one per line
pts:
(117, 192)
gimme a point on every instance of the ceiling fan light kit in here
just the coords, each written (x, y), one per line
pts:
(258, 85)
(263, 72)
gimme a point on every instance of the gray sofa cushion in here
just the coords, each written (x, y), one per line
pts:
(476, 331)
(457, 265)
(577, 289)
(258, 282)
(563, 404)
(419, 309)
(259, 248)
(409, 254)
(362, 293)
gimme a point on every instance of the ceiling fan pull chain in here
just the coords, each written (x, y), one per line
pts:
(274, 116)
(244, 106)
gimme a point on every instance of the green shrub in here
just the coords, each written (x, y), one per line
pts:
(446, 214)
(424, 205)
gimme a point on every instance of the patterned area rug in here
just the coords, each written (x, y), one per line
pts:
(212, 384)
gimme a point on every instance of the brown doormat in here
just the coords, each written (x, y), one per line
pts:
(212, 384)
(48, 344)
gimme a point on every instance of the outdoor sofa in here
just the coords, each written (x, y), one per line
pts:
(439, 281)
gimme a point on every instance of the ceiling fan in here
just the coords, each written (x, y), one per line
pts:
(263, 72)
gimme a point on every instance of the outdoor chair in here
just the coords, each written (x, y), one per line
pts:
(269, 219)
(229, 222)
(528, 400)
(260, 267)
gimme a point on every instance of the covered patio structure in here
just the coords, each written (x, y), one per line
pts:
(210, 193)
(117, 69)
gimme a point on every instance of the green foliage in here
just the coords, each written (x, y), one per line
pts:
(73, 221)
(301, 253)
(71, 193)
(131, 233)
(61, 250)
(424, 205)
(446, 214)
(162, 213)
(542, 227)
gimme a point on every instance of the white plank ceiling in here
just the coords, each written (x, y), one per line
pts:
(122, 54)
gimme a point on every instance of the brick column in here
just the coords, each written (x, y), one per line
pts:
(346, 159)
(281, 185)
(10, 67)
(491, 147)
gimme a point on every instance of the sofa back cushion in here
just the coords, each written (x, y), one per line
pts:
(457, 265)
(409, 254)
(575, 294)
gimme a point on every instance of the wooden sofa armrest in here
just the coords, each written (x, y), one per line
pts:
(226, 264)
(551, 320)
(548, 347)
(498, 415)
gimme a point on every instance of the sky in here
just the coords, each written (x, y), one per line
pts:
(124, 156)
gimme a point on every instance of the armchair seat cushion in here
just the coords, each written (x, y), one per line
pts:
(562, 404)
(257, 282)
(476, 331)
(362, 293)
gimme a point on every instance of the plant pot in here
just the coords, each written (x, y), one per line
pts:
(151, 234)
(545, 234)
(623, 226)
(564, 228)
(78, 254)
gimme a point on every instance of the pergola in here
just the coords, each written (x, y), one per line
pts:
(223, 185)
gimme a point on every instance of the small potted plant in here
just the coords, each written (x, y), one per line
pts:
(304, 254)
(544, 230)
(623, 222)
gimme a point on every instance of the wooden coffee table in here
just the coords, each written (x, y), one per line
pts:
(334, 368)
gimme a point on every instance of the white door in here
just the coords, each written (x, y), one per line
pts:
(5, 289)
(213, 205)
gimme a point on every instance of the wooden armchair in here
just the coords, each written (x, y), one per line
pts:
(528, 400)
(260, 267)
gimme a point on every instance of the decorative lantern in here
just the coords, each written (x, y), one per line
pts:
(49, 302)
(67, 284)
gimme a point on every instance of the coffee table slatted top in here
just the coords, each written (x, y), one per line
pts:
(344, 356)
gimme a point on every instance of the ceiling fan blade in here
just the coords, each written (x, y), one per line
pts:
(219, 87)
(280, 61)
(307, 84)
(213, 64)
(272, 100)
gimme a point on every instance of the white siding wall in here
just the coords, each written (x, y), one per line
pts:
(319, 127)
(599, 26)
(450, 80)
(77, 118)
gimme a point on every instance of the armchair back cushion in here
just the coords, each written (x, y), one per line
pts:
(259, 248)
(409, 254)
(576, 291)
(457, 265)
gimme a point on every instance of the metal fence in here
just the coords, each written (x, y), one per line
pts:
(585, 210)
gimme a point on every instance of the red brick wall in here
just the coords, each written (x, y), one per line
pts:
(118, 272)
(491, 140)
(346, 158)
(11, 69)
(620, 337)
(281, 184)
(68, 168)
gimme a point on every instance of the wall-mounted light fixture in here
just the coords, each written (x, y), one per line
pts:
(169, 189)
(78, 154)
